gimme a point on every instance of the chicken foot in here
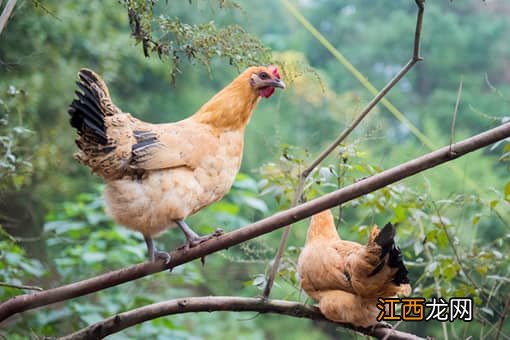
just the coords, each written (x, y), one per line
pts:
(154, 253)
(192, 238)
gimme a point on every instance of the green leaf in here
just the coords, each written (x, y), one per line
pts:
(493, 204)
(482, 269)
(89, 257)
(487, 310)
(418, 247)
(255, 203)
(450, 271)
(506, 191)
(225, 207)
(61, 227)
(246, 183)
(400, 214)
(442, 239)
(259, 281)
(476, 218)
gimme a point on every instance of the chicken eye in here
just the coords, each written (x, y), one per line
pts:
(264, 76)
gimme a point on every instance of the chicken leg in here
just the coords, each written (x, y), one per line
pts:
(154, 253)
(192, 238)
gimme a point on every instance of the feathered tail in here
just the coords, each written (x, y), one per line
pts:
(88, 109)
(386, 240)
(389, 271)
(91, 114)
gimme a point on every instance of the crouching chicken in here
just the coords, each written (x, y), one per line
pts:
(158, 174)
(346, 278)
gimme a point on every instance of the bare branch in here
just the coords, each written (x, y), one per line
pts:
(6, 13)
(502, 318)
(379, 96)
(26, 302)
(455, 111)
(122, 321)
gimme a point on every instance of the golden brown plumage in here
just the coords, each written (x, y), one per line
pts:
(346, 278)
(159, 174)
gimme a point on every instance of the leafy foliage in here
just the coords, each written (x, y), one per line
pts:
(14, 154)
(16, 268)
(194, 42)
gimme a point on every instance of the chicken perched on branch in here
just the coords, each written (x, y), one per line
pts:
(159, 174)
(346, 278)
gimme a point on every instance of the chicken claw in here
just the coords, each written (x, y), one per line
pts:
(162, 256)
(192, 238)
(155, 254)
(381, 324)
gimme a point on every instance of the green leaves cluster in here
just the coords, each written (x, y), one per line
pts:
(15, 151)
(16, 267)
(178, 41)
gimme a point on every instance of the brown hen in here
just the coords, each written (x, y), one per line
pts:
(159, 174)
(346, 278)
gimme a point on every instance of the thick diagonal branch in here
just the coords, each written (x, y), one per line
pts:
(122, 321)
(26, 302)
(345, 133)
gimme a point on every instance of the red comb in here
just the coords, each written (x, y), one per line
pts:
(275, 72)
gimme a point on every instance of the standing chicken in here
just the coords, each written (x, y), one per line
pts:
(159, 174)
(346, 278)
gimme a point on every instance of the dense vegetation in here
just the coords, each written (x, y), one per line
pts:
(453, 220)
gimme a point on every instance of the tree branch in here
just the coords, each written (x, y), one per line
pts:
(345, 133)
(26, 302)
(124, 320)
(6, 13)
(502, 318)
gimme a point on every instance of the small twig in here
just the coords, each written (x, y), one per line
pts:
(124, 320)
(457, 256)
(454, 249)
(6, 234)
(39, 4)
(454, 119)
(345, 133)
(6, 13)
(11, 285)
(492, 328)
(495, 89)
(502, 318)
(22, 303)
(429, 256)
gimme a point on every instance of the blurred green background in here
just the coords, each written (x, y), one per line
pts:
(453, 220)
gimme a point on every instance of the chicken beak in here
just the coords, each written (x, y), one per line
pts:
(278, 83)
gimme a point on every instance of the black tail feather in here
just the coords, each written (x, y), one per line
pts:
(92, 111)
(396, 260)
(85, 110)
(386, 240)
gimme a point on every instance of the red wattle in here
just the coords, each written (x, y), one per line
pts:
(266, 92)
